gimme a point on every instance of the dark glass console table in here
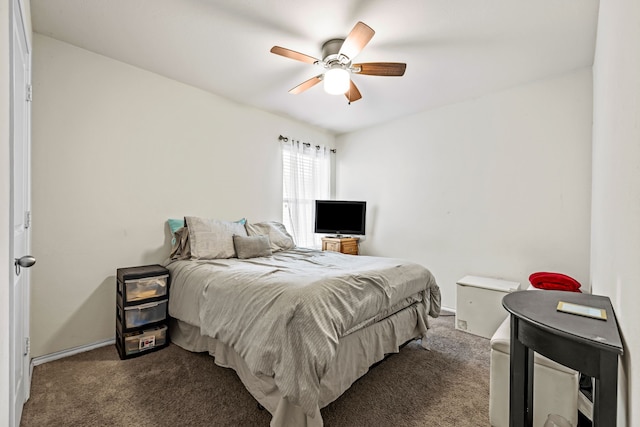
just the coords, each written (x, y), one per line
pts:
(590, 346)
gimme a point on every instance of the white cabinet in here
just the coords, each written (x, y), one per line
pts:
(479, 308)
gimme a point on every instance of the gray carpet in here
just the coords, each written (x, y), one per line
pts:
(446, 386)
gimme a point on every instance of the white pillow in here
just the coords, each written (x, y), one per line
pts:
(211, 238)
(280, 239)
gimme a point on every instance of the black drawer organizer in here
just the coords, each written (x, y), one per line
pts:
(141, 310)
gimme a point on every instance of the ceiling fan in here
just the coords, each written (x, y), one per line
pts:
(337, 57)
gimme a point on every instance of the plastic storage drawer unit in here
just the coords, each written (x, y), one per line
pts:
(479, 308)
(142, 296)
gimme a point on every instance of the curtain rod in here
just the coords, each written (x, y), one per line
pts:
(306, 144)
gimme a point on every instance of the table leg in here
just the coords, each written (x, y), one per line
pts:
(529, 354)
(605, 396)
(520, 380)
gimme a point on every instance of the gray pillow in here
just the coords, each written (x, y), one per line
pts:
(251, 246)
(211, 239)
(280, 239)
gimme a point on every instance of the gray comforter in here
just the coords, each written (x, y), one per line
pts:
(284, 314)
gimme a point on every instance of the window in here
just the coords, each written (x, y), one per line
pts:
(306, 176)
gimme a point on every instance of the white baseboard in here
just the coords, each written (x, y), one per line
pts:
(70, 352)
(447, 311)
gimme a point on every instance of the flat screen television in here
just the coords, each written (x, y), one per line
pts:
(340, 217)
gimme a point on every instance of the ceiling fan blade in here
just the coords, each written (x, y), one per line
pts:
(353, 94)
(306, 84)
(288, 53)
(356, 40)
(381, 68)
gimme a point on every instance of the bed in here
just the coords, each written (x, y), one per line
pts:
(298, 326)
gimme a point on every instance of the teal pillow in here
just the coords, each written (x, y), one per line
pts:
(175, 225)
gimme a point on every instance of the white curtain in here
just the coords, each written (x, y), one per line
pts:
(306, 173)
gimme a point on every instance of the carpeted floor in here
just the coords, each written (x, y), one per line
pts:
(446, 386)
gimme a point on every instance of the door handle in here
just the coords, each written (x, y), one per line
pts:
(25, 261)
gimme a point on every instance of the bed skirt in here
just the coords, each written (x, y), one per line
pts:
(356, 352)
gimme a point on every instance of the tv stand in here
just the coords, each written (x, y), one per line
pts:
(345, 245)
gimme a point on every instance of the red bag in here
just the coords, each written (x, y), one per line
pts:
(554, 282)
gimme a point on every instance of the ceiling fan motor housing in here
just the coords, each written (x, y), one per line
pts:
(330, 53)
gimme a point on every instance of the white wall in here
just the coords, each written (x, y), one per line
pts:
(498, 186)
(116, 151)
(615, 241)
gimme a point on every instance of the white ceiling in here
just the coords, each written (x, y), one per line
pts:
(455, 50)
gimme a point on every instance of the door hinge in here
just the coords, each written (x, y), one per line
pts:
(27, 346)
(29, 93)
(27, 219)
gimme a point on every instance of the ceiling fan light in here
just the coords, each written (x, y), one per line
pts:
(336, 81)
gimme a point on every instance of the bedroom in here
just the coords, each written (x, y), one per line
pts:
(503, 184)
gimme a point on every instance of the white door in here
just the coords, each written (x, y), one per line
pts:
(20, 218)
